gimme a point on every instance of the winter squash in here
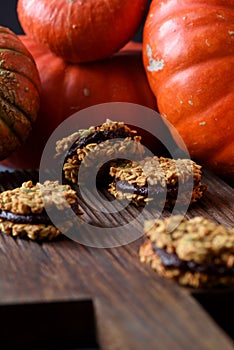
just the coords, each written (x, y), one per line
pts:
(68, 88)
(188, 52)
(19, 92)
(81, 30)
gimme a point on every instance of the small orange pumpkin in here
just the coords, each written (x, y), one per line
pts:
(19, 92)
(188, 51)
(81, 30)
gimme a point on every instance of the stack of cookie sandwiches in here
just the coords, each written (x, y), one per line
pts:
(127, 172)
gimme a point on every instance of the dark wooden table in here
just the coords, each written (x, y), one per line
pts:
(63, 295)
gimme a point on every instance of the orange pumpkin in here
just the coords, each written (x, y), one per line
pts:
(188, 52)
(68, 88)
(19, 92)
(81, 30)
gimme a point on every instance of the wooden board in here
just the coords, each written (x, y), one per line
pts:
(64, 295)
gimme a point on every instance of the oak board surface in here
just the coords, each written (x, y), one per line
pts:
(62, 294)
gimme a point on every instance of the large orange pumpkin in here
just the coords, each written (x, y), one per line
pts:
(81, 30)
(19, 92)
(68, 88)
(188, 49)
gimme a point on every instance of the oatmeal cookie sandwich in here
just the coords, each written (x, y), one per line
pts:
(23, 214)
(158, 179)
(92, 146)
(197, 253)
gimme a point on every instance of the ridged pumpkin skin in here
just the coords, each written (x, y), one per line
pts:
(19, 92)
(68, 88)
(188, 53)
(81, 30)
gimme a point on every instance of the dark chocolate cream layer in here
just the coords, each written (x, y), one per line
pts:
(97, 137)
(32, 219)
(171, 260)
(152, 191)
(36, 219)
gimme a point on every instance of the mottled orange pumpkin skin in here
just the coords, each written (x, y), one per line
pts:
(81, 30)
(188, 53)
(19, 92)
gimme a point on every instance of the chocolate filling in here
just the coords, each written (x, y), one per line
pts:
(152, 191)
(126, 187)
(171, 260)
(36, 219)
(97, 137)
(32, 219)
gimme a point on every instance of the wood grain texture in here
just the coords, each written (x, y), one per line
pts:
(133, 307)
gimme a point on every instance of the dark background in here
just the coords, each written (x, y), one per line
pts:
(8, 17)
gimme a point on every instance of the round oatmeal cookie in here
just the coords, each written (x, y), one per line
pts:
(157, 179)
(91, 147)
(197, 252)
(23, 214)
